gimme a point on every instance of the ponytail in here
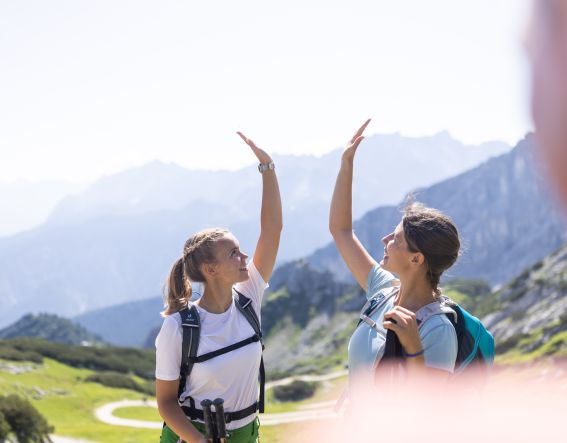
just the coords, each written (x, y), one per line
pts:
(197, 251)
(177, 291)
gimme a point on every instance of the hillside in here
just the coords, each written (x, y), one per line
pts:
(530, 318)
(55, 379)
(505, 217)
(50, 327)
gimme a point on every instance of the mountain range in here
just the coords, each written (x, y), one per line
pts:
(114, 242)
(502, 208)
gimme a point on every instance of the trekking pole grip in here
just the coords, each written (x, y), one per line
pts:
(208, 418)
(220, 422)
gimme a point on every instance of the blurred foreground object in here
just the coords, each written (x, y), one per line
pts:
(514, 405)
(547, 50)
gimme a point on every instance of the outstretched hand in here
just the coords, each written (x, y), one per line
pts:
(260, 154)
(350, 150)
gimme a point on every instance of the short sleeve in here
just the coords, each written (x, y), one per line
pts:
(440, 346)
(254, 287)
(377, 280)
(168, 349)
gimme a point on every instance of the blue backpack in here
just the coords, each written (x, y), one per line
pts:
(475, 345)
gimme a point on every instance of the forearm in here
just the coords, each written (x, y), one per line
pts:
(340, 217)
(176, 420)
(271, 212)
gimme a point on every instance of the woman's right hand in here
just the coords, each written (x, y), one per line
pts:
(350, 150)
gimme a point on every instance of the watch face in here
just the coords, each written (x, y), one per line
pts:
(264, 167)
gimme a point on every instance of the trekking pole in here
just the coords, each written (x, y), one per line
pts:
(220, 422)
(208, 417)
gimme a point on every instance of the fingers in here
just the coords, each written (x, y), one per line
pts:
(246, 140)
(398, 318)
(360, 131)
(261, 155)
(357, 141)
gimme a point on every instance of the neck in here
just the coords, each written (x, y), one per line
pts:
(216, 297)
(415, 292)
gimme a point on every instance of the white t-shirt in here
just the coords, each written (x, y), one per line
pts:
(232, 376)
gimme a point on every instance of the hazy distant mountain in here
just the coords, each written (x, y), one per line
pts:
(126, 324)
(115, 242)
(52, 328)
(506, 219)
(27, 204)
(306, 184)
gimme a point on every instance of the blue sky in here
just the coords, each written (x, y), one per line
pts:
(89, 88)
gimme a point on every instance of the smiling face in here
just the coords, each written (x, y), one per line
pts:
(230, 265)
(397, 255)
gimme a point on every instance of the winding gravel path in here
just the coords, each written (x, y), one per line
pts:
(314, 411)
(60, 439)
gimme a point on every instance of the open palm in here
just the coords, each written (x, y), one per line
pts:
(350, 150)
(261, 155)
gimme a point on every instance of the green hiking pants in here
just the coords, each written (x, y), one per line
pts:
(245, 434)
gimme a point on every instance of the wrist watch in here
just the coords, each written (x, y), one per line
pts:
(265, 167)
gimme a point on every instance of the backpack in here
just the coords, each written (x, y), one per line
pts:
(191, 331)
(474, 343)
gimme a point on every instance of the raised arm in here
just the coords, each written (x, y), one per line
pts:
(354, 254)
(270, 215)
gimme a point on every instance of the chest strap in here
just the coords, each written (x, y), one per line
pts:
(213, 354)
(197, 414)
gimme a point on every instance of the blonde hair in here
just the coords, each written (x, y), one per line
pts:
(198, 250)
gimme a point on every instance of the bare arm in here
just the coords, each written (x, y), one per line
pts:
(270, 216)
(354, 254)
(166, 394)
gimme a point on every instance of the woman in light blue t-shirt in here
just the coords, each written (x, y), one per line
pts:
(422, 246)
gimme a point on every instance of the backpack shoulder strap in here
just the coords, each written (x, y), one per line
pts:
(437, 308)
(191, 325)
(374, 303)
(244, 305)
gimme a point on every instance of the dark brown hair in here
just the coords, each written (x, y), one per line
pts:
(433, 234)
(198, 250)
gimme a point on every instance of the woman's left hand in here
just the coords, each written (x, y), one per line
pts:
(404, 324)
(261, 155)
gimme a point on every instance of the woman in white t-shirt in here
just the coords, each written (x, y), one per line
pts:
(213, 257)
(423, 245)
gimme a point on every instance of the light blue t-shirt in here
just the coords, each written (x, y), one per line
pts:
(367, 344)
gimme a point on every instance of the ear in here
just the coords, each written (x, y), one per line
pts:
(209, 269)
(417, 259)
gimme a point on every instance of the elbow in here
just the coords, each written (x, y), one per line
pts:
(332, 229)
(165, 407)
(273, 229)
(335, 230)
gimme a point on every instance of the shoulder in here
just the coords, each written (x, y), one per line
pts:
(439, 321)
(170, 328)
(173, 320)
(379, 279)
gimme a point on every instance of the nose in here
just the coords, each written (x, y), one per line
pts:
(244, 255)
(386, 239)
